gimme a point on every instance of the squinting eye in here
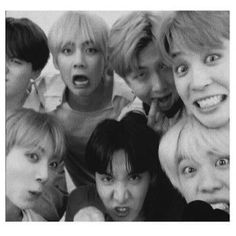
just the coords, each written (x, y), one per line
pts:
(163, 66)
(53, 165)
(181, 70)
(16, 61)
(107, 179)
(66, 51)
(212, 58)
(188, 170)
(222, 162)
(134, 177)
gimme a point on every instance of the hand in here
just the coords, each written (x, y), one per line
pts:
(89, 214)
(157, 120)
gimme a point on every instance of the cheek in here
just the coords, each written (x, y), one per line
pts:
(104, 192)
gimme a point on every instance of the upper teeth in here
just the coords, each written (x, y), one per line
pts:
(221, 206)
(122, 208)
(211, 101)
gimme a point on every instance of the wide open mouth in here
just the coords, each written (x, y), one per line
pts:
(121, 211)
(80, 80)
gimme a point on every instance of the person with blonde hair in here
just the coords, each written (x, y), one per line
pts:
(86, 91)
(135, 55)
(196, 160)
(35, 147)
(197, 43)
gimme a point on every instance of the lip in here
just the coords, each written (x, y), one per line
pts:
(220, 204)
(209, 103)
(34, 194)
(80, 81)
(121, 211)
(165, 101)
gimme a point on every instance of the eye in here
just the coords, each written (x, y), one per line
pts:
(222, 162)
(67, 51)
(107, 179)
(33, 157)
(181, 70)
(188, 170)
(134, 178)
(212, 58)
(15, 61)
(91, 50)
(140, 75)
(53, 165)
(162, 66)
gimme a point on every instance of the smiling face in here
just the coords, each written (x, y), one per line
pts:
(27, 170)
(81, 64)
(153, 80)
(202, 81)
(205, 178)
(122, 192)
(18, 75)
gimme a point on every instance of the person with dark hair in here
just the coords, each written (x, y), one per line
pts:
(26, 55)
(123, 156)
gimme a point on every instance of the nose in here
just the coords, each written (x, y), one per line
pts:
(121, 193)
(159, 85)
(200, 78)
(42, 173)
(210, 182)
(80, 60)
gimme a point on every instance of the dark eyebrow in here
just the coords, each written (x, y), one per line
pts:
(176, 54)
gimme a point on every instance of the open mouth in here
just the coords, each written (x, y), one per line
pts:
(220, 205)
(80, 80)
(122, 211)
(210, 102)
(164, 102)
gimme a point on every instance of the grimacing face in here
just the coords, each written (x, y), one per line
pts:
(121, 192)
(153, 80)
(202, 81)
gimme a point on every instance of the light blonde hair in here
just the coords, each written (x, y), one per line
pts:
(27, 128)
(185, 139)
(74, 24)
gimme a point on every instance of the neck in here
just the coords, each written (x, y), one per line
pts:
(98, 99)
(13, 213)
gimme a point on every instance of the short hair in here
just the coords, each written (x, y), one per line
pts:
(26, 41)
(26, 128)
(133, 136)
(129, 35)
(185, 139)
(196, 30)
(78, 24)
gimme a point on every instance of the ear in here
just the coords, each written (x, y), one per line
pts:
(55, 63)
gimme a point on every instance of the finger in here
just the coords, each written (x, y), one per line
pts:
(152, 113)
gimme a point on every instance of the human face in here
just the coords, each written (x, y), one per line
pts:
(205, 178)
(122, 192)
(81, 65)
(202, 81)
(153, 80)
(27, 171)
(18, 75)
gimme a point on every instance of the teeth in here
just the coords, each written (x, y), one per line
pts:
(211, 101)
(222, 206)
(122, 209)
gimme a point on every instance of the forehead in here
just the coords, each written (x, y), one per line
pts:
(149, 55)
(119, 164)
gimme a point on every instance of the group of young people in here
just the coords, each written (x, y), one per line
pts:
(135, 127)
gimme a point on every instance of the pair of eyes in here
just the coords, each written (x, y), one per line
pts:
(182, 68)
(34, 158)
(109, 179)
(143, 73)
(221, 163)
(88, 50)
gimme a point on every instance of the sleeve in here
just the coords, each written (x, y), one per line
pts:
(82, 197)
